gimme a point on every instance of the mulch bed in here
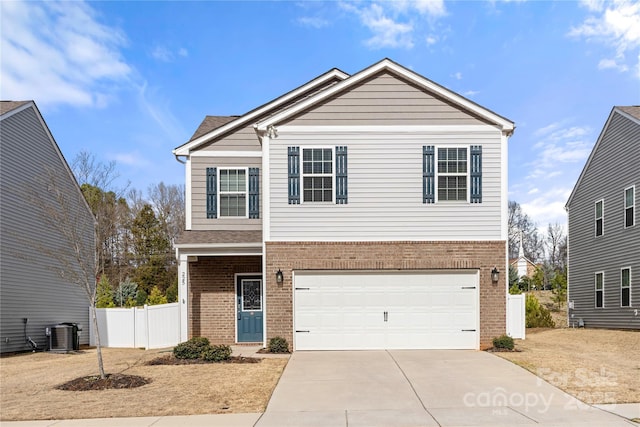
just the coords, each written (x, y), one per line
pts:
(502, 350)
(94, 382)
(171, 360)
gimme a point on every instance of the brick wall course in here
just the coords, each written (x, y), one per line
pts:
(291, 256)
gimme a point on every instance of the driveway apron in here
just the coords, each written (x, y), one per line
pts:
(420, 388)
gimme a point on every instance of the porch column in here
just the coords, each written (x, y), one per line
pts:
(183, 297)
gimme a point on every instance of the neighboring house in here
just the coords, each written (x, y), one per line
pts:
(32, 169)
(604, 234)
(354, 212)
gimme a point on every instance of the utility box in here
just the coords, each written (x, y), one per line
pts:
(61, 338)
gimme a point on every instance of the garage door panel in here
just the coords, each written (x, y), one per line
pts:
(374, 310)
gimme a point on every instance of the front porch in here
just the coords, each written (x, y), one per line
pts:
(221, 290)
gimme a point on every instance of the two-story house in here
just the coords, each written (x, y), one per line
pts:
(36, 184)
(364, 211)
(604, 235)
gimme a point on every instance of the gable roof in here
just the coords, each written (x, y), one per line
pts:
(210, 123)
(386, 64)
(631, 113)
(7, 106)
(254, 114)
(10, 108)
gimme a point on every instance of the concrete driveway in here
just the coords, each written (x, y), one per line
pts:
(420, 388)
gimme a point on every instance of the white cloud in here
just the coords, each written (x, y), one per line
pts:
(312, 22)
(615, 24)
(548, 207)
(612, 64)
(471, 93)
(130, 159)
(533, 191)
(59, 53)
(431, 40)
(162, 53)
(457, 76)
(393, 23)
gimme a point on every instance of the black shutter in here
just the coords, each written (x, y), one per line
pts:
(476, 174)
(254, 193)
(341, 175)
(212, 188)
(294, 175)
(428, 174)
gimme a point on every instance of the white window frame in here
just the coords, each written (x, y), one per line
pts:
(595, 219)
(438, 174)
(309, 175)
(246, 192)
(622, 287)
(633, 206)
(595, 289)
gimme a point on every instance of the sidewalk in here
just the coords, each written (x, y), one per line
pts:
(219, 420)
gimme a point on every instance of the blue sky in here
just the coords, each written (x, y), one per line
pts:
(130, 81)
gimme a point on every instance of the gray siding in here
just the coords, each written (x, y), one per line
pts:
(199, 220)
(244, 139)
(614, 166)
(29, 286)
(385, 190)
(385, 99)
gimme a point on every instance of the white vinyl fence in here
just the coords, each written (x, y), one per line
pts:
(516, 316)
(151, 326)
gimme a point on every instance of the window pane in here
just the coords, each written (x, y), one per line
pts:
(598, 209)
(628, 217)
(598, 227)
(224, 180)
(625, 277)
(628, 197)
(599, 299)
(626, 297)
(599, 281)
(232, 205)
(251, 295)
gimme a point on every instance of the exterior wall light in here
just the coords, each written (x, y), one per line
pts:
(279, 277)
(495, 275)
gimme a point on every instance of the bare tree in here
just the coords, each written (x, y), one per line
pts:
(556, 242)
(168, 203)
(521, 226)
(64, 211)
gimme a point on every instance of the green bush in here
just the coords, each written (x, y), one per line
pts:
(278, 345)
(192, 349)
(503, 342)
(537, 316)
(217, 353)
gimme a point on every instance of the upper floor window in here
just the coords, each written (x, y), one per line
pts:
(599, 290)
(452, 174)
(233, 192)
(625, 287)
(317, 175)
(599, 217)
(629, 204)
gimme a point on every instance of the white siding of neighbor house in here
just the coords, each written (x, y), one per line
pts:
(385, 188)
(613, 167)
(199, 220)
(30, 286)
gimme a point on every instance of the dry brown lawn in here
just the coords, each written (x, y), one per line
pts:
(28, 381)
(594, 365)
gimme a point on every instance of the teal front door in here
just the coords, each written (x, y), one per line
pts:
(250, 308)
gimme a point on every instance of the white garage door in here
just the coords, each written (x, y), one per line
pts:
(380, 310)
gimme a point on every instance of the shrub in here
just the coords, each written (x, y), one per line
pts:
(278, 345)
(172, 292)
(217, 353)
(156, 297)
(503, 342)
(538, 316)
(192, 349)
(104, 293)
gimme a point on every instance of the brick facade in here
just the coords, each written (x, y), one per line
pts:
(212, 293)
(290, 256)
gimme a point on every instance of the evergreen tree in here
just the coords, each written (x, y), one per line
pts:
(104, 293)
